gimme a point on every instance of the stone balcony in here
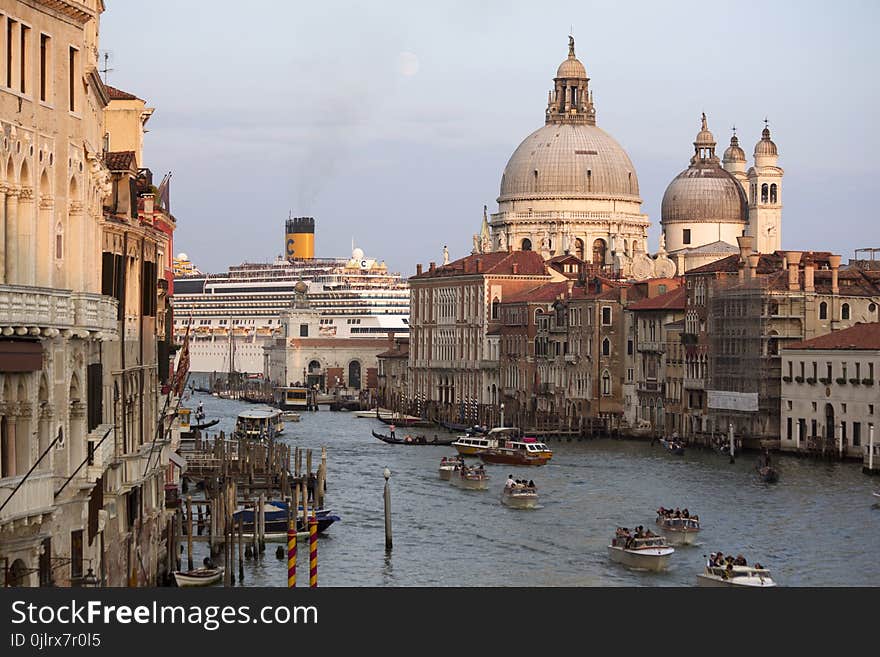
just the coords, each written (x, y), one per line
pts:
(33, 499)
(46, 312)
(651, 345)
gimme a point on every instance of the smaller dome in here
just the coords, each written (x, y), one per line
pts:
(704, 136)
(182, 256)
(734, 153)
(766, 145)
(357, 254)
(571, 68)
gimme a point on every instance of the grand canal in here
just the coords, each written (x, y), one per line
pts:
(815, 527)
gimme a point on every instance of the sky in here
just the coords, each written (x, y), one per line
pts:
(391, 123)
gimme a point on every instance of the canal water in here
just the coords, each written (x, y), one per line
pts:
(816, 526)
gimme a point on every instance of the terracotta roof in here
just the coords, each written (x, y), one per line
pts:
(861, 337)
(674, 300)
(119, 160)
(119, 94)
(528, 263)
(768, 263)
(542, 293)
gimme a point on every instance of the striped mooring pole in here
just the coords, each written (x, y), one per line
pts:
(291, 554)
(313, 552)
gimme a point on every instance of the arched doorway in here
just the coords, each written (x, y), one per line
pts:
(829, 423)
(17, 574)
(526, 244)
(599, 252)
(354, 375)
(315, 375)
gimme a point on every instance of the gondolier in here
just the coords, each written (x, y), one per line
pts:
(392, 431)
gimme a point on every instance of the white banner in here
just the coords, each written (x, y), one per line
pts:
(732, 401)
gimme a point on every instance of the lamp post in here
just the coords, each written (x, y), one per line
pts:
(502, 414)
(387, 474)
(730, 429)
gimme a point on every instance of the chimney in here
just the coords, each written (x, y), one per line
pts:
(514, 268)
(809, 276)
(834, 261)
(479, 265)
(754, 258)
(510, 248)
(467, 266)
(570, 285)
(149, 200)
(794, 258)
(432, 266)
(623, 296)
(745, 246)
(419, 269)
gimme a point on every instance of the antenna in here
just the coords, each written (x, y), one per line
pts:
(107, 55)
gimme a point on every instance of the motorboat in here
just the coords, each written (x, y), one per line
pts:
(524, 451)
(408, 439)
(290, 416)
(198, 577)
(375, 413)
(471, 478)
(642, 553)
(462, 428)
(276, 517)
(448, 465)
(259, 423)
(679, 531)
(472, 445)
(519, 496)
(750, 576)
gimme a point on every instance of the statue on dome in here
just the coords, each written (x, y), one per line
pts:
(662, 248)
(476, 248)
(502, 242)
(445, 255)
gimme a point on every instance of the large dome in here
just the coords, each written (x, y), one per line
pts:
(569, 160)
(704, 194)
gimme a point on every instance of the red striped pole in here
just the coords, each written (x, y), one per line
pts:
(291, 554)
(313, 552)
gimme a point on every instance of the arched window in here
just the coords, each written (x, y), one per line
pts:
(354, 375)
(844, 311)
(606, 383)
(496, 308)
(606, 347)
(579, 248)
(599, 252)
(764, 192)
(773, 193)
(526, 244)
(823, 310)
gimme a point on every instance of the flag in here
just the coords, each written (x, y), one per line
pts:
(180, 374)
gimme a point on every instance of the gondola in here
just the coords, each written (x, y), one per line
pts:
(417, 423)
(672, 446)
(766, 471)
(414, 440)
(204, 425)
(462, 428)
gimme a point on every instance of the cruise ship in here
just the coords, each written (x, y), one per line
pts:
(232, 315)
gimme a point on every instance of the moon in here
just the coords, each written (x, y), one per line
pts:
(408, 64)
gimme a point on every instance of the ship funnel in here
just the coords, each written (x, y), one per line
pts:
(299, 238)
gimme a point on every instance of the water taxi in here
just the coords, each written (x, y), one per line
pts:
(470, 478)
(519, 496)
(524, 451)
(448, 465)
(259, 423)
(473, 445)
(679, 531)
(293, 398)
(752, 576)
(644, 553)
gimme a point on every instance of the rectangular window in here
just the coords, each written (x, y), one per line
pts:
(629, 347)
(843, 432)
(10, 31)
(788, 428)
(76, 554)
(24, 60)
(95, 394)
(72, 66)
(45, 54)
(857, 434)
(828, 365)
(606, 316)
(303, 330)
(686, 236)
(813, 427)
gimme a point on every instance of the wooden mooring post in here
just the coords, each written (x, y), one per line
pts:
(189, 532)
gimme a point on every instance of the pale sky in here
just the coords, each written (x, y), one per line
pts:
(391, 122)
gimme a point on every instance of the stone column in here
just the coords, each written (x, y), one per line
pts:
(11, 236)
(26, 236)
(11, 419)
(75, 260)
(45, 249)
(3, 189)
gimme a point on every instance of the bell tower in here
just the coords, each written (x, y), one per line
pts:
(765, 196)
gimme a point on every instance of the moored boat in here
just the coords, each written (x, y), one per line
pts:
(290, 416)
(472, 478)
(198, 577)
(408, 439)
(650, 552)
(731, 576)
(524, 451)
(672, 446)
(678, 530)
(276, 518)
(520, 496)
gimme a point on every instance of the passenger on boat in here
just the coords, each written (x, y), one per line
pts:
(531, 484)
(740, 561)
(685, 514)
(510, 483)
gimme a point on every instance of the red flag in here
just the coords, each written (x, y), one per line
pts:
(180, 374)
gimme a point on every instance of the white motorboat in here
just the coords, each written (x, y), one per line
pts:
(679, 531)
(519, 496)
(646, 553)
(750, 576)
(290, 416)
(198, 577)
(259, 423)
(470, 478)
(448, 465)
